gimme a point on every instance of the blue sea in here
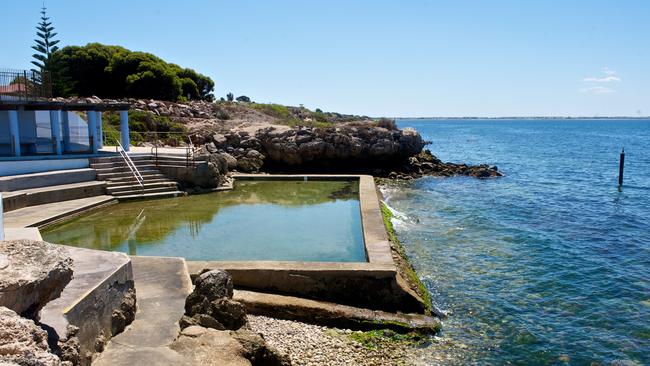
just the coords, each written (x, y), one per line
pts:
(548, 265)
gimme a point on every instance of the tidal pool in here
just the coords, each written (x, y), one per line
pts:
(315, 220)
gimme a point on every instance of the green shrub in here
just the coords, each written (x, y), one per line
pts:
(116, 72)
(141, 126)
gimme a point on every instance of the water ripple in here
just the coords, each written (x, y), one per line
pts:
(548, 265)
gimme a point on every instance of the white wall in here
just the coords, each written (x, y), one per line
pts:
(36, 166)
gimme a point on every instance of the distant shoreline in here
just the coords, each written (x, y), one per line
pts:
(526, 118)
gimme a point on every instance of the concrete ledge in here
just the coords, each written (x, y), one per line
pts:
(29, 233)
(57, 193)
(45, 179)
(100, 282)
(368, 285)
(333, 315)
(47, 214)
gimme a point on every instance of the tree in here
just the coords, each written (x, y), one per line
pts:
(116, 72)
(230, 97)
(45, 46)
(243, 98)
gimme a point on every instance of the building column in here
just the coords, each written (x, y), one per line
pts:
(100, 130)
(124, 129)
(92, 131)
(55, 124)
(65, 130)
(14, 132)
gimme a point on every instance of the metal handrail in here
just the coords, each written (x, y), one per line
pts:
(189, 150)
(2, 226)
(129, 163)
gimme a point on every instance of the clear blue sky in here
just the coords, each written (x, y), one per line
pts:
(391, 58)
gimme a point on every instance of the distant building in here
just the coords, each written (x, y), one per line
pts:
(34, 127)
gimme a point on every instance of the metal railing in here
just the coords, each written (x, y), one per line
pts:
(157, 140)
(190, 150)
(2, 222)
(127, 159)
(24, 85)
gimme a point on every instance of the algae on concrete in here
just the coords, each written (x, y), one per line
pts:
(403, 264)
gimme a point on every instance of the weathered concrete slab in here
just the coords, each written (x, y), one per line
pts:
(28, 233)
(36, 216)
(330, 314)
(55, 193)
(44, 179)
(101, 280)
(162, 284)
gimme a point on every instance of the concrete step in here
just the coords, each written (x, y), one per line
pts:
(128, 187)
(123, 168)
(118, 158)
(44, 179)
(106, 176)
(134, 190)
(42, 195)
(120, 163)
(131, 181)
(36, 216)
(151, 195)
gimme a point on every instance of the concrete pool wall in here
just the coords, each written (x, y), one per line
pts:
(372, 284)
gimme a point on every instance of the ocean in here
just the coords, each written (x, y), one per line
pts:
(548, 265)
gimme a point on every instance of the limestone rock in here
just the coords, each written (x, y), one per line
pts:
(204, 346)
(125, 314)
(230, 161)
(211, 348)
(210, 305)
(36, 273)
(214, 285)
(249, 165)
(22, 342)
(257, 350)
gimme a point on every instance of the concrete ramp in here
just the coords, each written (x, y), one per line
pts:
(162, 284)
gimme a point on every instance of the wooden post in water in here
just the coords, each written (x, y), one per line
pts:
(620, 168)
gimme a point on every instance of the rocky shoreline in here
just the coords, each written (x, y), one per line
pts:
(251, 138)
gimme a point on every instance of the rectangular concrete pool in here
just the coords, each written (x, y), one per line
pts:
(307, 220)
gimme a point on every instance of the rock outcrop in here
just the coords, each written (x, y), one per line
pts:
(31, 274)
(210, 305)
(22, 342)
(214, 329)
(426, 163)
(251, 138)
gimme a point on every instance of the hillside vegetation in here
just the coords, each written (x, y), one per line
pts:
(116, 72)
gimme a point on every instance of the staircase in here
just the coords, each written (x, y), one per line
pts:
(123, 183)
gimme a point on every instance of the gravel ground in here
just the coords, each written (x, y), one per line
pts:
(308, 344)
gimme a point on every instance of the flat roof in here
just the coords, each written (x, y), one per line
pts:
(44, 105)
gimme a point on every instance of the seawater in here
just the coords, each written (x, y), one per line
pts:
(258, 220)
(548, 265)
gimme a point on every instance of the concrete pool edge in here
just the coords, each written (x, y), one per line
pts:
(373, 284)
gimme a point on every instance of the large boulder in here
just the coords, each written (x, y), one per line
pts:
(210, 305)
(205, 346)
(22, 342)
(32, 273)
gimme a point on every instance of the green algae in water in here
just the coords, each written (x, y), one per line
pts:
(258, 220)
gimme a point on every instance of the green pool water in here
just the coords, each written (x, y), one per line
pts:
(258, 220)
